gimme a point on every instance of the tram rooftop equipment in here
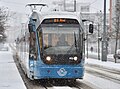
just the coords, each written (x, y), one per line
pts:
(33, 6)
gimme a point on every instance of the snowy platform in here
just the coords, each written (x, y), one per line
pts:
(9, 74)
(108, 64)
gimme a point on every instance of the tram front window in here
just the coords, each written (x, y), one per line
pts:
(61, 40)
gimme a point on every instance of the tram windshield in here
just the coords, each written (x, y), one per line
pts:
(61, 39)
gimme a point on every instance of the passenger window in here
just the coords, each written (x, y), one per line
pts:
(33, 48)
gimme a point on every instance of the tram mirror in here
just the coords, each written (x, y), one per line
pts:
(30, 27)
(91, 28)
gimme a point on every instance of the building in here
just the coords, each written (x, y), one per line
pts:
(66, 5)
(114, 24)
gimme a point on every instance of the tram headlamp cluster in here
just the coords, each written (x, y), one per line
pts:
(48, 58)
(75, 58)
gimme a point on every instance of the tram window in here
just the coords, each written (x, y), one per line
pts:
(33, 48)
(32, 42)
(40, 39)
(62, 41)
(32, 39)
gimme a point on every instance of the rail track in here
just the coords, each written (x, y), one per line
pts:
(106, 73)
(48, 84)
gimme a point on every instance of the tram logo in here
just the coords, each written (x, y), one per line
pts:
(62, 72)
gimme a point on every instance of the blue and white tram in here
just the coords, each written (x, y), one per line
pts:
(52, 46)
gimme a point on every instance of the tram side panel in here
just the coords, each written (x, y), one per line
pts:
(23, 50)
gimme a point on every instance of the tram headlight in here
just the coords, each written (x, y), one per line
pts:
(75, 58)
(48, 58)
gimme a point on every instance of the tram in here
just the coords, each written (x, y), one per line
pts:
(52, 46)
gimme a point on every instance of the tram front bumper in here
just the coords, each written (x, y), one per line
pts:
(58, 72)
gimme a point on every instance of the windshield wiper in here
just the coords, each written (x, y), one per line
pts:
(75, 41)
(75, 44)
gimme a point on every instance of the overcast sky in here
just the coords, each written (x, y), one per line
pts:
(19, 5)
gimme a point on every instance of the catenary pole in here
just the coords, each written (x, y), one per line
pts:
(74, 5)
(104, 39)
(98, 41)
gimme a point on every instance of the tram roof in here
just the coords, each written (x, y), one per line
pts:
(60, 15)
(55, 14)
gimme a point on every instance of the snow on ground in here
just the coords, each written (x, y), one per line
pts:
(97, 81)
(107, 64)
(100, 83)
(9, 75)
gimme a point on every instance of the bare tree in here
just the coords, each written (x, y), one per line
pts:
(116, 25)
(3, 19)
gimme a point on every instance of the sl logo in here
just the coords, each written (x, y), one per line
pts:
(62, 72)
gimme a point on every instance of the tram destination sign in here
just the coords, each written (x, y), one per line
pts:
(60, 20)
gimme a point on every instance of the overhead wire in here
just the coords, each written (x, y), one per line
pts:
(18, 4)
(93, 2)
(12, 2)
(39, 1)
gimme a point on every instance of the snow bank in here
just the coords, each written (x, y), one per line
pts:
(108, 65)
